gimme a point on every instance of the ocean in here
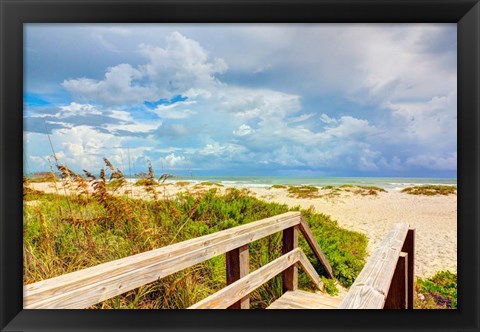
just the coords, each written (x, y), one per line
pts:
(262, 181)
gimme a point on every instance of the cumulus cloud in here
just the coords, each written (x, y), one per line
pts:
(247, 103)
(434, 162)
(426, 128)
(175, 69)
(183, 64)
(217, 149)
(243, 130)
(326, 119)
(40, 162)
(301, 118)
(120, 86)
(172, 160)
(178, 110)
(351, 128)
(171, 131)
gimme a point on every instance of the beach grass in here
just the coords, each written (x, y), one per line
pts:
(329, 187)
(142, 182)
(362, 190)
(278, 186)
(61, 237)
(430, 190)
(303, 191)
(67, 232)
(208, 184)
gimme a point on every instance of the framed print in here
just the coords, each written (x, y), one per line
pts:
(296, 156)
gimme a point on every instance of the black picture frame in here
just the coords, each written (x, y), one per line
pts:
(14, 13)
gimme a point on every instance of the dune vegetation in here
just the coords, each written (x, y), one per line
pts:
(430, 190)
(362, 190)
(303, 191)
(65, 233)
(331, 191)
(278, 186)
(436, 292)
(208, 184)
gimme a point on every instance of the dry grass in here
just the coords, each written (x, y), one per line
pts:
(431, 190)
(303, 191)
(202, 185)
(182, 183)
(42, 177)
(362, 190)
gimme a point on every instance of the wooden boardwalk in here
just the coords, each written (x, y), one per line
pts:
(300, 299)
(386, 281)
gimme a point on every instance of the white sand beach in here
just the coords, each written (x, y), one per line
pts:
(433, 217)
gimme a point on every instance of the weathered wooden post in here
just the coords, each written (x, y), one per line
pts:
(238, 266)
(290, 275)
(397, 297)
(409, 248)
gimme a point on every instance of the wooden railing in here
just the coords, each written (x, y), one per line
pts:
(228, 296)
(386, 281)
(89, 286)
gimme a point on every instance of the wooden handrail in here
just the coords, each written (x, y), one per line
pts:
(244, 286)
(89, 286)
(310, 270)
(307, 233)
(95, 284)
(237, 266)
(371, 288)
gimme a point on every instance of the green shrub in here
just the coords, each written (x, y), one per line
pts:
(437, 292)
(329, 286)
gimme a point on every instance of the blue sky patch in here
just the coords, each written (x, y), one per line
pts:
(153, 104)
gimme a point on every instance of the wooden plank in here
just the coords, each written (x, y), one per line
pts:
(310, 270)
(287, 304)
(379, 269)
(307, 233)
(83, 288)
(290, 275)
(409, 248)
(244, 286)
(375, 278)
(362, 297)
(300, 299)
(237, 261)
(314, 299)
(397, 297)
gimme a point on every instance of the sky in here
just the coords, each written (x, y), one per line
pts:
(295, 100)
